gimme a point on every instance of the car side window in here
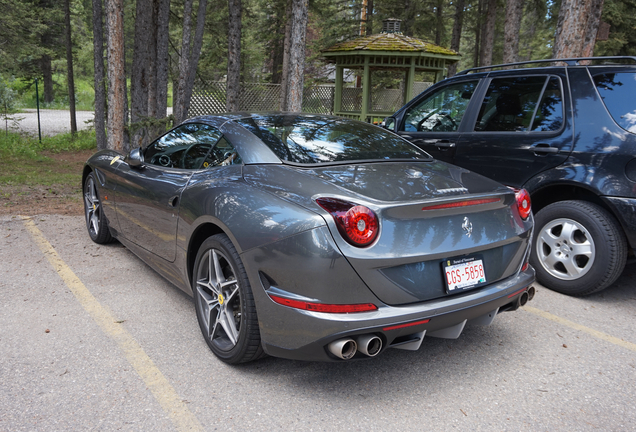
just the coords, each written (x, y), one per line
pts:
(441, 111)
(617, 91)
(184, 147)
(222, 154)
(549, 116)
(510, 104)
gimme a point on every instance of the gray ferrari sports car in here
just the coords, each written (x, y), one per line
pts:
(314, 237)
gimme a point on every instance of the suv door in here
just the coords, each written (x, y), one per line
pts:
(432, 122)
(521, 129)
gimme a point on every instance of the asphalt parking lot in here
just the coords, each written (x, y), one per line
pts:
(93, 339)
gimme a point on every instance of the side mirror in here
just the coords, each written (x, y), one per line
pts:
(135, 158)
(389, 123)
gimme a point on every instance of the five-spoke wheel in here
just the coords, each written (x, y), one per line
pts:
(224, 302)
(95, 220)
(579, 248)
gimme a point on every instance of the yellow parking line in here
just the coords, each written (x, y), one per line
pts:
(597, 334)
(164, 393)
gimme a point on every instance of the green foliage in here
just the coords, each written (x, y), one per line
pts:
(15, 145)
(622, 39)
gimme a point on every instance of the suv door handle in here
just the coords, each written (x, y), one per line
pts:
(544, 149)
(442, 145)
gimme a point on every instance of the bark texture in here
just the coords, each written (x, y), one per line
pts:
(117, 102)
(297, 56)
(69, 65)
(234, 56)
(163, 59)
(577, 26)
(141, 73)
(184, 65)
(514, 12)
(457, 33)
(286, 45)
(99, 75)
(488, 36)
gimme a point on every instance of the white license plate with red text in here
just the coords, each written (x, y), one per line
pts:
(464, 273)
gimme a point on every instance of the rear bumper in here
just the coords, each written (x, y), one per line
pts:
(305, 335)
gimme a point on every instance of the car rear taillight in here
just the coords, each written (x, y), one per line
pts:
(357, 224)
(523, 203)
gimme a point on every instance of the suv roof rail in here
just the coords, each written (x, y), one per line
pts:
(568, 62)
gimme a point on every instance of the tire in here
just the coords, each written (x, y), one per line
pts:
(578, 248)
(96, 222)
(224, 302)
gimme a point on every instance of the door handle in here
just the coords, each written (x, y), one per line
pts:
(443, 145)
(544, 149)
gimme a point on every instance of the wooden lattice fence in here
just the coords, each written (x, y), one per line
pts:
(210, 98)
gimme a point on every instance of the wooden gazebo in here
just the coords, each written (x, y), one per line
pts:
(389, 50)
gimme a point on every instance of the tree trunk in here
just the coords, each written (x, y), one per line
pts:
(234, 56)
(478, 25)
(287, 44)
(141, 73)
(116, 76)
(593, 22)
(152, 64)
(514, 12)
(196, 53)
(179, 105)
(297, 56)
(577, 26)
(69, 65)
(369, 17)
(47, 78)
(457, 33)
(163, 59)
(439, 22)
(488, 38)
(99, 76)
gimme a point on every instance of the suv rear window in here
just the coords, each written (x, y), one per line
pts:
(617, 91)
(512, 105)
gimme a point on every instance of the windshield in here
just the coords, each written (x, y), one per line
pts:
(316, 139)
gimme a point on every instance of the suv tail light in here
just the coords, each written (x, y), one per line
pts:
(357, 224)
(523, 203)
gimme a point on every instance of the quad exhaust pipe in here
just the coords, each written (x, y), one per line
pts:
(369, 345)
(343, 348)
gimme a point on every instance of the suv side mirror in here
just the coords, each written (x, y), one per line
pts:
(135, 158)
(389, 123)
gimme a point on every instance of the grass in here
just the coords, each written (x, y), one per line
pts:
(26, 161)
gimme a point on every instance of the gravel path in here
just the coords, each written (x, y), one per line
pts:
(52, 122)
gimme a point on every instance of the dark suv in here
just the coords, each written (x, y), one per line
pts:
(563, 130)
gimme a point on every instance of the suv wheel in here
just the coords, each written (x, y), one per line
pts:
(578, 248)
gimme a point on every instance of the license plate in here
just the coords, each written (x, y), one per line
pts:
(464, 273)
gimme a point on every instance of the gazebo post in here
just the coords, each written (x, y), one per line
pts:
(337, 103)
(366, 90)
(410, 82)
(439, 75)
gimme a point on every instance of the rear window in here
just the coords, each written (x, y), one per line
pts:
(521, 104)
(617, 91)
(318, 139)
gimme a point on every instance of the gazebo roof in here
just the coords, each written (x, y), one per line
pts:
(388, 42)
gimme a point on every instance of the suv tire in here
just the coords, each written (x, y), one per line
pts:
(578, 248)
